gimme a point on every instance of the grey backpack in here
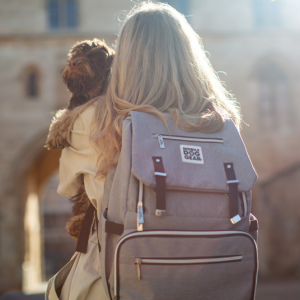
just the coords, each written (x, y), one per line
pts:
(176, 220)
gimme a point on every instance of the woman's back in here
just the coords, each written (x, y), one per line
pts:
(160, 66)
(168, 224)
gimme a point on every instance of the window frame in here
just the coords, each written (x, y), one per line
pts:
(28, 87)
(274, 89)
(64, 21)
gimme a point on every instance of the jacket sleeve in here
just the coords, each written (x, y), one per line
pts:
(79, 159)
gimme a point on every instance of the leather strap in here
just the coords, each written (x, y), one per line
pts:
(97, 224)
(160, 177)
(232, 183)
(84, 234)
(114, 227)
(253, 225)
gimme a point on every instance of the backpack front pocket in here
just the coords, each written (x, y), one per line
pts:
(183, 261)
(165, 265)
(161, 138)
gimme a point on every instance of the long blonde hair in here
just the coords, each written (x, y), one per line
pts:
(159, 67)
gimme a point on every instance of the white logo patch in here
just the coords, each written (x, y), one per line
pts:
(191, 154)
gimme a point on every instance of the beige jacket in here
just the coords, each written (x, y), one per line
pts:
(78, 163)
(80, 278)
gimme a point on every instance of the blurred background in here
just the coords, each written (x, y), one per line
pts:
(255, 42)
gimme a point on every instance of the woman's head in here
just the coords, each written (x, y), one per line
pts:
(160, 66)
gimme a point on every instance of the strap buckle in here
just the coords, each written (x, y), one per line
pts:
(160, 174)
(235, 219)
(160, 212)
(232, 181)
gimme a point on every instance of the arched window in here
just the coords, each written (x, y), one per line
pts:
(275, 105)
(53, 13)
(71, 13)
(32, 89)
(31, 83)
(63, 14)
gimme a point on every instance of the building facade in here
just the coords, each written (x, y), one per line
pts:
(254, 41)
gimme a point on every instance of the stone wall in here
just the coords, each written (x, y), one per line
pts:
(236, 45)
(280, 208)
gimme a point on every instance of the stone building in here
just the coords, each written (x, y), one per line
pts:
(254, 41)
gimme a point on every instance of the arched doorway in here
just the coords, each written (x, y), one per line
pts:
(47, 244)
(274, 96)
(26, 184)
(281, 223)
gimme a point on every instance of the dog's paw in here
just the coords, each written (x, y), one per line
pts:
(58, 132)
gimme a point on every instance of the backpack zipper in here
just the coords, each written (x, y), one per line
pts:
(161, 138)
(175, 233)
(183, 261)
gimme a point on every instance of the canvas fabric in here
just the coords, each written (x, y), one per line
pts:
(80, 278)
(193, 251)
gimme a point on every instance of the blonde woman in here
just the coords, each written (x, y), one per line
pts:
(159, 67)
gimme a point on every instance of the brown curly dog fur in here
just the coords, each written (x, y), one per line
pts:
(87, 72)
(81, 203)
(86, 76)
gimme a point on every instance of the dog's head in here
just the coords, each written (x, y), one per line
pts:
(88, 68)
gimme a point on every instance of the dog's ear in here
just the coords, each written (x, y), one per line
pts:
(109, 60)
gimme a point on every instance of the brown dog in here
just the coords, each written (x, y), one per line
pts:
(86, 76)
(87, 72)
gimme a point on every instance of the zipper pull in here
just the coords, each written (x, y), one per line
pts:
(161, 142)
(140, 219)
(140, 210)
(138, 262)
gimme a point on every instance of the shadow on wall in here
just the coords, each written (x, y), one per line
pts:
(282, 223)
(58, 245)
